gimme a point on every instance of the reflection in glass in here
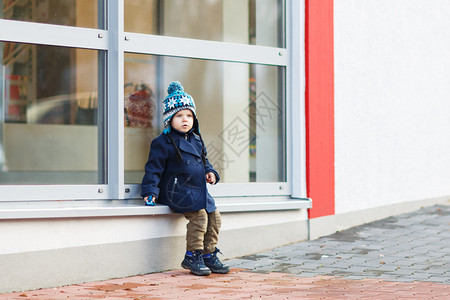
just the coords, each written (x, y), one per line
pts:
(52, 121)
(254, 22)
(240, 108)
(87, 13)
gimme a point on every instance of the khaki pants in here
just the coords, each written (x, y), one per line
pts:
(202, 230)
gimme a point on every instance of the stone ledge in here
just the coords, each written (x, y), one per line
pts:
(116, 208)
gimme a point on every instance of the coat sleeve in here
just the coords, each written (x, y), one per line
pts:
(154, 169)
(210, 168)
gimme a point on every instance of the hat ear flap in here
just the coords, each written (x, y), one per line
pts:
(196, 126)
(167, 129)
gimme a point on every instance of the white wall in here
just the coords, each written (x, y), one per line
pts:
(43, 253)
(46, 234)
(392, 102)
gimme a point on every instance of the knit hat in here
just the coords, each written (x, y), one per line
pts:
(176, 100)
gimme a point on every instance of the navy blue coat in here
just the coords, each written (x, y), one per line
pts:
(179, 184)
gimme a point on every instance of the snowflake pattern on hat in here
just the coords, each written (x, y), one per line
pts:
(170, 104)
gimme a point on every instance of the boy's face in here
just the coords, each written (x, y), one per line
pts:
(183, 120)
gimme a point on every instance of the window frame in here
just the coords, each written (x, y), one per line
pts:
(115, 41)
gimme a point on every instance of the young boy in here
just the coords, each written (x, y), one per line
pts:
(176, 174)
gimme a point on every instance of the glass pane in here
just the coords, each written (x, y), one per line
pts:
(255, 22)
(81, 13)
(240, 108)
(52, 116)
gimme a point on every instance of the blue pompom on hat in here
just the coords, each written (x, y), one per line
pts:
(176, 100)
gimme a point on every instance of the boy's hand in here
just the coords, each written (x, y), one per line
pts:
(150, 202)
(211, 178)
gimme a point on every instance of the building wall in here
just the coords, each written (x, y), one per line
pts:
(389, 67)
(391, 103)
(377, 116)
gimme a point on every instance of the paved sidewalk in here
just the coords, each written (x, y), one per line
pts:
(406, 248)
(402, 257)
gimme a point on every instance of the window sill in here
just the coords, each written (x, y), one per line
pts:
(120, 208)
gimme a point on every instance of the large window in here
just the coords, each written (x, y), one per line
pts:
(53, 118)
(85, 13)
(253, 22)
(82, 84)
(240, 108)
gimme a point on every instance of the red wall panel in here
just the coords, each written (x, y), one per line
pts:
(319, 106)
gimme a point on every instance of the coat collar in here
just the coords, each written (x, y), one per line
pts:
(183, 144)
(187, 147)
